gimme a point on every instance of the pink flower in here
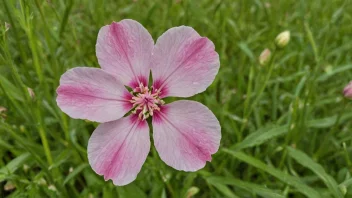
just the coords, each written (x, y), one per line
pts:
(182, 63)
(347, 91)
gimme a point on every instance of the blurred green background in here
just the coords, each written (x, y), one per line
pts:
(286, 127)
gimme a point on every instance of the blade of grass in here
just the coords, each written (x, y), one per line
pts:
(75, 172)
(261, 136)
(250, 187)
(284, 177)
(14, 164)
(308, 162)
(223, 189)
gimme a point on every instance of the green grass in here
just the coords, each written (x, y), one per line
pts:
(286, 128)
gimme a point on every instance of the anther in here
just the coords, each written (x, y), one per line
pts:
(145, 101)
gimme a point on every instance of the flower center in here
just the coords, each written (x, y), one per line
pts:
(145, 101)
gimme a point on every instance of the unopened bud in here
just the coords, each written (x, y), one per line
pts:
(7, 26)
(31, 93)
(347, 91)
(192, 191)
(265, 57)
(165, 177)
(2, 109)
(9, 186)
(2, 112)
(22, 128)
(282, 39)
(42, 182)
(52, 188)
(343, 189)
(25, 168)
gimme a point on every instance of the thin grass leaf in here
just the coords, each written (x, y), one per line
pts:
(11, 89)
(75, 172)
(13, 165)
(131, 190)
(339, 69)
(261, 136)
(250, 187)
(4, 145)
(224, 190)
(329, 121)
(62, 158)
(29, 146)
(308, 162)
(244, 47)
(284, 177)
(65, 18)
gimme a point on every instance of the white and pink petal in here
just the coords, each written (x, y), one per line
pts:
(186, 134)
(184, 63)
(124, 49)
(93, 94)
(118, 149)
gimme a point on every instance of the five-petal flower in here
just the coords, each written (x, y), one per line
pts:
(182, 63)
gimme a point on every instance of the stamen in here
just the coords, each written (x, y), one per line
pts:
(145, 101)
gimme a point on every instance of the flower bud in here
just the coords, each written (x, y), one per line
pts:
(25, 168)
(52, 188)
(7, 26)
(22, 128)
(265, 57)
(192, 191)
(31, 93)
(9, 186)
(282, 39)
(3, 112)
(2, 109)
(347, 91)
(41, 182)
(343, 189)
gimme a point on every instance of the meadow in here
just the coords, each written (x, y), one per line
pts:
(286, 126)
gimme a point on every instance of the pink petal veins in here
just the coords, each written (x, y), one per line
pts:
(91, 93)
(124, 50)
(186, 134)
(184, 63)
(118, 149)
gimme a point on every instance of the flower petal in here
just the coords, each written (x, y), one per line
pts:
(124, 49)
(93, 94)
(119, 148)
(186, 134)
(184, 63)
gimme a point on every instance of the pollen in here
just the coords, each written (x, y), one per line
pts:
(145, 101)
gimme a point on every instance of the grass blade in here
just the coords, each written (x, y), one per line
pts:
(224, 190)
(75, 172)
(261, 136)
(338, 70)
(14, 164)
(284, 177)
(308, 162)
(250, 187)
